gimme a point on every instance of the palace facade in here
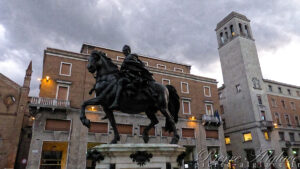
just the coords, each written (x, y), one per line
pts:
(59, 139)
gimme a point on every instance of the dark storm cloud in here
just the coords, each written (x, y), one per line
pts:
(182, 31)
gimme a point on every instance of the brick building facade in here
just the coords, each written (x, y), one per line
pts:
(58, 132)
(15, 122)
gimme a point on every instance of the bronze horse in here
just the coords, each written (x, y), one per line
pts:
(107, 77)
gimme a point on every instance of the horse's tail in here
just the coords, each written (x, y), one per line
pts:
(174, 103)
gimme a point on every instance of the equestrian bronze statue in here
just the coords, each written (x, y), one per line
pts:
(130, 90)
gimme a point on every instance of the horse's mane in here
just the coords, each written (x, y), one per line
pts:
(108, 60)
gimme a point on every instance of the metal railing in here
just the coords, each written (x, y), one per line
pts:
(210, 119)
(49, 102)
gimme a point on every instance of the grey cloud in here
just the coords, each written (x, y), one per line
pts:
(182, 31)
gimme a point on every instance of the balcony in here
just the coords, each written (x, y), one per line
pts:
(40, 102)
(266, 125)
(210, 120)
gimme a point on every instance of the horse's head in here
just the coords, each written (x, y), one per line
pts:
(93, 61)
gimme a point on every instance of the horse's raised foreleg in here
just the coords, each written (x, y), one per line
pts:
(154, 121)
(170, 122)
(84, 120)
(113, 124)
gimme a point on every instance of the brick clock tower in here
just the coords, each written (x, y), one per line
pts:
(243, 96)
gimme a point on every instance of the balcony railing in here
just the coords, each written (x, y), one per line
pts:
(210, 120)
(49, 102)
(266, 125)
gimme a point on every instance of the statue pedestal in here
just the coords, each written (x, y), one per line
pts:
(131, 156)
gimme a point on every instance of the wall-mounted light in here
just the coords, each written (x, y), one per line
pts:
(32, 118)
(47, 78)
(192, 118)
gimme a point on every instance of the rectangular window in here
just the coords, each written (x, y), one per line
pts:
(298, 93)
(57, 125)
(186, 107)
(287, 119)
(65, 69)
(270, 88)
(259, 100)
(145, 63)
(273, 101)
(283, 103)
(222, 109)
(277, 118)
(120, 58)
(281, 136)
(125, 129)
(293, 106)
(184, 87)
(188, 132)
(97, 127)
(279, 90)
(289, 91)
(166, 81)
(292, 136)
(62, 92)
(247, 137)
(263, 115)
(161, 66)
(238, 88)
(266, 134)
(209, 109)
(207, 91)
(227, 140)
(176, 69)
(214, 134)
(297, 121)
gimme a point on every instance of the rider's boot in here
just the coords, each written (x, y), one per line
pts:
(115, 104)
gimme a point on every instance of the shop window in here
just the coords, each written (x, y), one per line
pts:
(247, 137)
(54, 155)
(65, 69)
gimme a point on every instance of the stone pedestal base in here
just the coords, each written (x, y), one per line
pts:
(132, 156)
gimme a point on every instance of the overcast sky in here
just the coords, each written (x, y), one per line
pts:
(177, 30)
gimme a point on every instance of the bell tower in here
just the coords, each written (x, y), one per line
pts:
(245, 100)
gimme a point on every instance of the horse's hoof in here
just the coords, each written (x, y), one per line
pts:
(146, 139)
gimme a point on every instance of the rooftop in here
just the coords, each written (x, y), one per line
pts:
(229, 17)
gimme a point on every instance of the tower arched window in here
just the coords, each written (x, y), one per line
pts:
(241, 29)
(247, 31)
(232, 30)
(222, 38)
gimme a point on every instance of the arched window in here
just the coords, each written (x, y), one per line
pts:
(247, 31)
(232, 30)
(222, 38)
(241, 30)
